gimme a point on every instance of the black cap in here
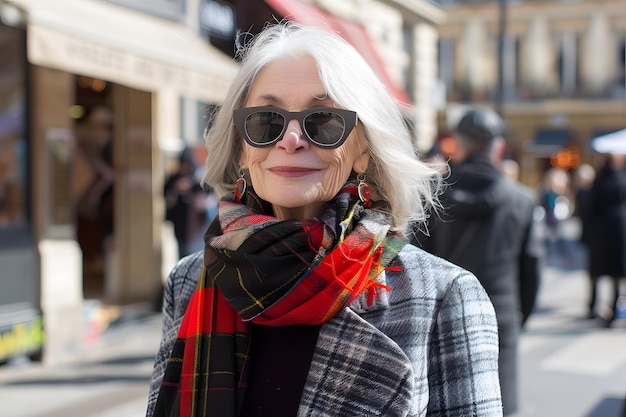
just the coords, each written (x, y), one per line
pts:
(481, 125)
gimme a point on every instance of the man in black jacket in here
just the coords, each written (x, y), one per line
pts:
(487, 227)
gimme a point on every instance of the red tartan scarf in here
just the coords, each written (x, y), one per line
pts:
(271, 272)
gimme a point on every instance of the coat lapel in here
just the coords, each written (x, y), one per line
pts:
(357, 371)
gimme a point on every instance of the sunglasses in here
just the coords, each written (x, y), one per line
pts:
(325, 127)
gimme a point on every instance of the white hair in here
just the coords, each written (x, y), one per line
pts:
(395, 174)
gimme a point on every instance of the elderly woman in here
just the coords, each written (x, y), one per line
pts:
(308, 300)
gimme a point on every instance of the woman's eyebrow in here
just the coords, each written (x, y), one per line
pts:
(271, 99)
(315, 99)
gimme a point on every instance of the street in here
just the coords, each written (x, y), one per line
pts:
(570, 366)
(110, 379)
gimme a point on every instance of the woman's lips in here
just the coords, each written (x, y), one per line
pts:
(284, 171)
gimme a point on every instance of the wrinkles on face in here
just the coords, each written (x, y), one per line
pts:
(294, 175)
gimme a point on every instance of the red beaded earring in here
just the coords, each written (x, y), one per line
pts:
(240, 187)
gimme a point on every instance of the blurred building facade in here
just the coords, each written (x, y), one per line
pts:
(102, 94)
(86, 84)
(563, 73)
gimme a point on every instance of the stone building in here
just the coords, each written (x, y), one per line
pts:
(563, 77)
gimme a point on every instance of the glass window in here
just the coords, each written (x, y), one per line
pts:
(568, 70)
(446, 62)
(511, 66)
(13, 155)
(618, 90)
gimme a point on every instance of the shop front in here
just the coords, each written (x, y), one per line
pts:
(101, 102)
(20, 313)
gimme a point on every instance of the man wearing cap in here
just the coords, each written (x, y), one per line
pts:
(487, 227)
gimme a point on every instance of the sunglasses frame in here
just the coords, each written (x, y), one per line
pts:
(349, 117)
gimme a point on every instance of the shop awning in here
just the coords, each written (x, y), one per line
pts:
(548, 141)
(610, 143)
(124, 46)
(309, 14)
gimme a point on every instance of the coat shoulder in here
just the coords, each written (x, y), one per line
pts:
(181, 283)
(425, 272)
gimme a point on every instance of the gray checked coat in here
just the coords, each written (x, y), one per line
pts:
(429, 347)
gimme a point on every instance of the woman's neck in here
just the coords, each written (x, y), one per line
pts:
(305, 212)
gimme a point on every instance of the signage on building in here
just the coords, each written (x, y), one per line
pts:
(169, 9)
(217, 19)
(68, 53)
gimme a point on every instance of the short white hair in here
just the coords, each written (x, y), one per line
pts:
(395, 174)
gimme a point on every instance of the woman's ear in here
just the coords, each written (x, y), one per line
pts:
(361, 162)
(243, 159)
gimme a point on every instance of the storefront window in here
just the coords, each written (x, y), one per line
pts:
(13, 155)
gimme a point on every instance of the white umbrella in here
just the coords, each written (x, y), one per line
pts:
(613, 143)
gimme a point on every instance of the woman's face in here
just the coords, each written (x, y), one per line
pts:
(294, 175)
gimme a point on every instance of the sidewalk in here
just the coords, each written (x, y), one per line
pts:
(571, 366)
(109, 377)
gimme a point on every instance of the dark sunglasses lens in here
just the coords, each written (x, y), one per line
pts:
(325, 128)
(264, 126)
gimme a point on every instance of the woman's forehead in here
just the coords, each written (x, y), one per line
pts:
(289, 81)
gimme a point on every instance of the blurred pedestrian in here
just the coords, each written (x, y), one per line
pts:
(582, 180)
(607, 230)
(510, 169)
(435, 158)
(487, 228)
(95, 181)
(187, 204)
(554, 198)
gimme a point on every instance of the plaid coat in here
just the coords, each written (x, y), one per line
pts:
(429, 347)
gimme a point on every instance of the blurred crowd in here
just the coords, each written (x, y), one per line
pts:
(581, 219)
(592, 198)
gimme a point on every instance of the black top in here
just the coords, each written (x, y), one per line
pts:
(605, 223)
(279, 363)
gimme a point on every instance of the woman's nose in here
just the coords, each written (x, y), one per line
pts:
(293, 139)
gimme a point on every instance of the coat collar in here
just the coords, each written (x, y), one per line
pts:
(357, 370)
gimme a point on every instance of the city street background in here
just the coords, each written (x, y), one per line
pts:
(570, 366)
(99, 97)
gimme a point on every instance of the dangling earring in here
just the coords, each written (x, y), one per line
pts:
(364, 190)
(240, 186)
